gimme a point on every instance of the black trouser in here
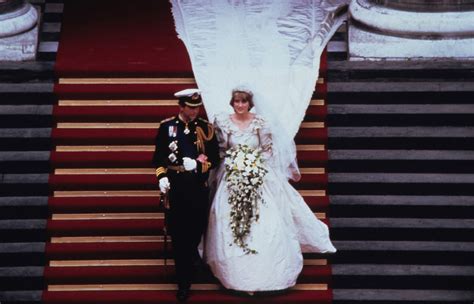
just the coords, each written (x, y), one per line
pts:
(187, 220)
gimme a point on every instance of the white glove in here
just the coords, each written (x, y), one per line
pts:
(189, 164)
(164, 185)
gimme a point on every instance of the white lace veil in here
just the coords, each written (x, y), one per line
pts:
(271, 47)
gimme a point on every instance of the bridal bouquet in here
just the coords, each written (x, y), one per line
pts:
(244, 176)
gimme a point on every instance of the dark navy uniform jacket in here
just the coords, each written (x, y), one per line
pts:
(177, 139)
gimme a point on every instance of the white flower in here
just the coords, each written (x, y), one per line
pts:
(254, 180)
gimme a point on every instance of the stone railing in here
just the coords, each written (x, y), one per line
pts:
(400, 29)
(18, 30)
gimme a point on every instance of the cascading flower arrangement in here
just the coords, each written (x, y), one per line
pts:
(244, 176)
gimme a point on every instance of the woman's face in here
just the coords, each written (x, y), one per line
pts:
(240, 105)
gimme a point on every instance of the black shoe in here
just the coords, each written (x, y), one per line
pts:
(182, 295)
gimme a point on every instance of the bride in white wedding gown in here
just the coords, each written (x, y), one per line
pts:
(286, 226)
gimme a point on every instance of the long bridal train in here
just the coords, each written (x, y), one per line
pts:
(273, 48)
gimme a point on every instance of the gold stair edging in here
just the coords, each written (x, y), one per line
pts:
(141, 171)
(107, 239)
(138, 80)
(160, 287)
(186, 80)
(143, 262)
(125, 216)
(108, 216)
(140, 125)
(147, 193)
(138, 102)
(104, 171)
(117, 102)
(109, 263)
(151, 148)
(112, 193)
(128, 287)
(112, 148)
(108, 125)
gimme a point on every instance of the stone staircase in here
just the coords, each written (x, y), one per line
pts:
(26, 103)
(401, 166)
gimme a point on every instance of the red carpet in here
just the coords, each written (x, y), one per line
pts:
(135, 204)
(149, 274)
(138, 113)
(137, 159)
(119, 38)
(154, 297)
(146, 182)
(115, 136)
(100, 216)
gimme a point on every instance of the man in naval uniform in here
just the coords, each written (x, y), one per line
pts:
(186, 149)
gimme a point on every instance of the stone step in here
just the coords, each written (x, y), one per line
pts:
(402, 276)
(391, 166)
(397, 109)
(425, 132)
(402, 295)
(405, 246)
(26, 156)
(26, 110)
(369, 210)
(399, 70)
(21, 278)
(33, 87)
(22, 254)
(23, 297)
(26, 71)
(403, 86)
(396, 234)
(23, 230)
(394, 257)
(398, 97)
(397, 141)
(23, 212)
(402, 270)
(400, 120)
(414, 223)
(27, 98)
(447, 155)
(401, 178)
(399, 188)
(402, 200)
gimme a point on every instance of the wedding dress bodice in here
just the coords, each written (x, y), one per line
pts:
(255, 135)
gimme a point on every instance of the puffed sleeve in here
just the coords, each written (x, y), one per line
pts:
(221, 125)
(265, 137)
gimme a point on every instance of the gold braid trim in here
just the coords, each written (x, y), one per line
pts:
(202, 137)
(160, 170)
(205, 166)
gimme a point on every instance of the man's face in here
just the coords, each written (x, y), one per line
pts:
(189, 113)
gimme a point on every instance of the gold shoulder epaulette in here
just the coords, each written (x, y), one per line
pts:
(167, 119)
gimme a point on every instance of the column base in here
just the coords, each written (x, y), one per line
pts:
(20, 47)
(366, 45)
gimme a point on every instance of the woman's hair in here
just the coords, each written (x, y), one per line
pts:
(244, 94)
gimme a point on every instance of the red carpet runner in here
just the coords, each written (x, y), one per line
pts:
(118, 65)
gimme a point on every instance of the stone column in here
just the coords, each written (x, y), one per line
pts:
(18, 30)
(411, 29)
